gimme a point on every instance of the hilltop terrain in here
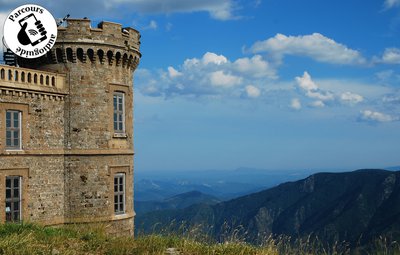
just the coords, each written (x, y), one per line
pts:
(353, 206)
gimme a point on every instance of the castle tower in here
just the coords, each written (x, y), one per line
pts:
(98, 120)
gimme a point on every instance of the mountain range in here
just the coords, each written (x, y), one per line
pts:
(352, 206)
(223, 184)
(180, 201)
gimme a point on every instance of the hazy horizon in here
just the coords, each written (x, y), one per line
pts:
(269, 84)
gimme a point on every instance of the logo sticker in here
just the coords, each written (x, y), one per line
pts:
(30, 31)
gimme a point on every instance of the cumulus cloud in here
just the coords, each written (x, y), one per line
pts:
(321, 96)
(220, 78)
(313, 91)
(212, 74)
(173, 73)
(374, 116)
(351, 98)
(315, 46)
(390, 56)
(255, 66)
(252, 91)
(305, 82)
(295, 104)
(210, 57)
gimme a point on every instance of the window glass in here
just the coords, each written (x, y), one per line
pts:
(119, 112)
(13, 129)
(119, 193)
(13, 198)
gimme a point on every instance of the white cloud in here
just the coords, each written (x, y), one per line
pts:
(391, 56)
(312, 90)
(252, 91)
(305, 82)
(351, 98)
(391, 3)
(152, 25)
(321, 95)
(212, 74)
(220, 10)
(315, 46)
(168, 26)
(210, 57)
(221, 79)
(255, 66)
(373, 116)
(173, 73)
(392, 99)
(3, 16)
(295, 104)
(318, 104)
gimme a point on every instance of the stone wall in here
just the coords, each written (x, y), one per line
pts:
(41, 160)
(71, 152)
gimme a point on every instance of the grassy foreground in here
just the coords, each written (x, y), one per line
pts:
(34, 239)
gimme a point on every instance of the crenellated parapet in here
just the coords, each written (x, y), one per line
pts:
(107, 44)
(80, 31)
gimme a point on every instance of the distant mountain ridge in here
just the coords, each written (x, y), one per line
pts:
(353, 206)
(224, 184)
(176, 202)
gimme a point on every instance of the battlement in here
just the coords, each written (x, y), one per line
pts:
(80, 31)
(109, 44)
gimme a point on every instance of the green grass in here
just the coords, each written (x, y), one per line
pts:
(78, 239)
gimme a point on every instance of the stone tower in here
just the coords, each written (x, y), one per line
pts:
(98, 120)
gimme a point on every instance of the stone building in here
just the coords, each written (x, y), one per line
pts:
(66, 130)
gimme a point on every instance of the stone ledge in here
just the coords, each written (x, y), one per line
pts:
(61, 152)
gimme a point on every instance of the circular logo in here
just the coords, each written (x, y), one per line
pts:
(30, 31)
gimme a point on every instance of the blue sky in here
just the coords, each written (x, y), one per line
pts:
(273, 84)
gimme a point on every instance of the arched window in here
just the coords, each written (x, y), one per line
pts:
(110, 57)
(59, 55)
(100, 54)
(130, 61)
(124, 60)
(70, 56)
(118, 58)
(79, 54)
(90, 54)
(49, 57)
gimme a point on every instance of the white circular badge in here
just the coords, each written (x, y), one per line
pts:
(30, 31)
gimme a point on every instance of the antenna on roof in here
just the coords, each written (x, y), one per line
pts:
(59, 23)
(8, 56)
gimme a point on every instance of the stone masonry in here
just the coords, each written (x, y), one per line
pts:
(71, 149)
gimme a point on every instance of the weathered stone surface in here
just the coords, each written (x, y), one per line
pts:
(70, 152)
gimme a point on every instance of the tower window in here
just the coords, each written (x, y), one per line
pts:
(13, 198)
(119, 112)
(119, 193)
(13, 130)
